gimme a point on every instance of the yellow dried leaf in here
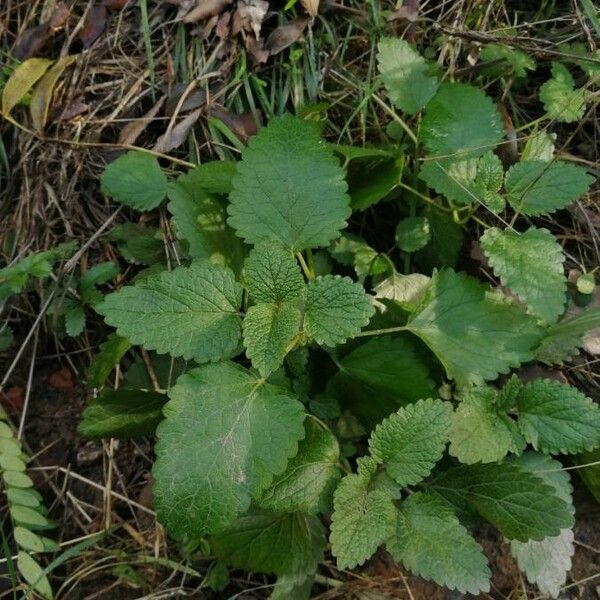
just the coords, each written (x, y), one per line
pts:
(311, 6)
(21, 81)
(42, 94)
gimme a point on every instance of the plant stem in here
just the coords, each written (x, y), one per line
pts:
(383, 331)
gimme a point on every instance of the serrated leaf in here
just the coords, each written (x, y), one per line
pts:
(34, 575)
(557, 418)
(269, 331)
(406, 290)
(289, 187)
(431, 542)
(475, 334)
(411, 441)
(284, 544)
(409, 80)
(562, 101)
(362, 518)
(190, 312)
(531, 265)
(481, 431)
(74, 314)
(336, 309)
(110, 353)
(452, 177)
(272, 274)
(521, 505)
(460, 120)
(122, 414)
(518, 62)
(535, 187)
(201, 220)
(412, 234)
(248, 430)
(308, 477)
(99, 274)
(135, 179)
(539, 146)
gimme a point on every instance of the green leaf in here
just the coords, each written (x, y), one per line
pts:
(481, 431)
(12, 462)
(535, 187)
(305, 484)
(29, 517)
(336, 309)
(17, 479)
(272, 274)
(289, 187)
(135, 179)
(475, 333)
(370, 181)
(28, 540)
(406, 290)
(409, 80)
(23, 496)
(445, 244)
(284, 544)
(431, 542)
(6, 338)
(248, 431)
(292, 587)
(138, 243)
(539, 146)
(362, 518)
(521, 505)
(122, 414)
(190, 312)
(109, 355)
(352, 251)
(215, 176)
(531, 265)
(412, 233)
(451, 177)
(269, 331)
(562, 102)
(201, 220)
(556, 418)
(74, 313)
(411, 441)
(34, 575)
(518, 62)
(460, 120)
(97, 275)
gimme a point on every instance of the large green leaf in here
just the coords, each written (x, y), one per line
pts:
(379, 376)
(224, 437)
(336, 309)
(284, 544)
(201, 220)
(411, 441)
(475, 333)
(536, 187)
(409, 80)
(135, 179)
(460, 120)
(309, 476)
(289, 187)
(531, 265)
(556, 418)
(190, 312)
(431, 542)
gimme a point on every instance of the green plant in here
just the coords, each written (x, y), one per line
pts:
(256, 435)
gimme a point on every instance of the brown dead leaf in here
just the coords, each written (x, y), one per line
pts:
(409, 11)
(74, 109)
(14, 399)
(193, 100)
(42, 94)
(205, 9)
(59, 16)
(243, 126)
(285, 35)
(531, 372)
(256, 50)
(115, 4)
(61, 380)
(175, 136)
(222, 28)
(21, 80)
(310, 6)
(130, 133)
(94, 25)
(251, 14)
(32, 40)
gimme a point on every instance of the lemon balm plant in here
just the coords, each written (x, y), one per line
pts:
(274, 351)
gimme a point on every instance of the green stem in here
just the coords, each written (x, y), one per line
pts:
(383, 331)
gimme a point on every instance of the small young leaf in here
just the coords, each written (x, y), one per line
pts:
(531, 265)
(289, 187)
(539, 146)
(248, 431)
(122, 414)
(336, 309)
(28, 540)
(272, 273)
(563, 103)
(308, 477)
(411, 441)
(476, 334)
(74, 313)
(406, 290)
(460, 120)
(190, 312)
(135, 179)
(24, 497)
(409, 80)
(518, 62)
(557, 418)
(536, 187)
(111, 352)
(431, 542)
(29, 517)
(34, 575)
(284, 544)
(362, 518)
(269, 330)
(412, 233)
